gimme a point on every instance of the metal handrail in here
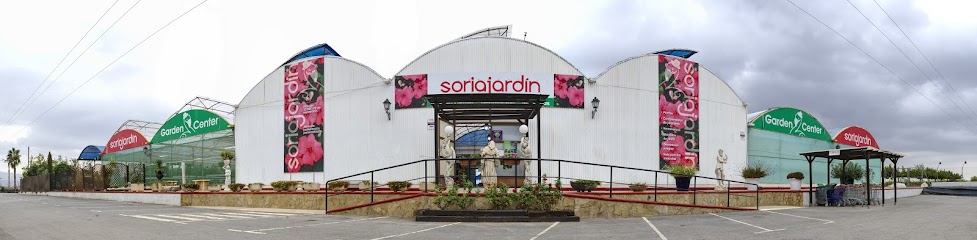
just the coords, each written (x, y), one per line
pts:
(559, 176)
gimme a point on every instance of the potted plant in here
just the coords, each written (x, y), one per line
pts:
(189, 187)
(255, 187)
(137, 185)
(338, 186)
(398, 186)
(638, 186)
(470, 162)
(847, 173)
(753, 172)
(509, 161)
(279, 186)
(159, 169)
(366, 186)
(236, 187)
(683, 176)
(584, 185)
(311, 187)
(795, 180)
(214, 188)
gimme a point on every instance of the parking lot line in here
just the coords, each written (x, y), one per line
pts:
(662, 236)
(261, 231)
(818, 219)
(544, 231)
(151, 218)
(418, 231)
(751, 225)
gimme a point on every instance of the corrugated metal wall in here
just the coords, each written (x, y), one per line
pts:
(360, 138)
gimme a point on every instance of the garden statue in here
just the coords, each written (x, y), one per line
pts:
(491, 153)
(447, 151)
(720, 161)
(525, 152)
(227, 175)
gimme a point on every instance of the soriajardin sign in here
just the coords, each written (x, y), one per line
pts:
(303, 107)
(791, 121)
(124, 140)
(678, 112)
(857, 137)
(190, 123)
(490, 83)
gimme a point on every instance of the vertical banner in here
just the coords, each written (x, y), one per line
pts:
(409, 91)
(678, 116)
(303, 116)
(568, 91)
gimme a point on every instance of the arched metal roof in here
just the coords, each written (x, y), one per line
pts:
(91, 152)
(322, 49)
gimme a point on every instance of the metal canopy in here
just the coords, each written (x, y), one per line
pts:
(486, 107)
(860, 153)
(850, 154)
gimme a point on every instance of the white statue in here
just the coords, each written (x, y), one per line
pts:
(227, 175)
(490, 153)
(720, 174)
(448, 151)
(525, 152)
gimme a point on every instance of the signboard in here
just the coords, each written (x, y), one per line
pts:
(678, 116)
(303, 107)
(791, 121)
(568, 91)
(190, 123)
(834, 152)
(409, 91)
(490, 83)
(856, 136)
(125, 140)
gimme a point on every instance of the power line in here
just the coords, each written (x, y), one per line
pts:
(58, 65)
(949, 96)
(924, 57)
(883, 65)
(109, 65)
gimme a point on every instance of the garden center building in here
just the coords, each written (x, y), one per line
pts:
(322, 116)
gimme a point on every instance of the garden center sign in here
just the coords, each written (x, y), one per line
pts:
(124, 140)
(190, 123)
(791, 121)
(857, 137)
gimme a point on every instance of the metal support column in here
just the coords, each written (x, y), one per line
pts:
(539, 146)
(810, 179)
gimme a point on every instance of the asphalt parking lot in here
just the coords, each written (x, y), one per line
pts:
(42, 217)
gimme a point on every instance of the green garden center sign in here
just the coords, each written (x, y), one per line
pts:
(791, 121)
(190, 123)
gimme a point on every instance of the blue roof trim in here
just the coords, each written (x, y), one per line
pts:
(682, 53)
(322, 49)
(91, 152)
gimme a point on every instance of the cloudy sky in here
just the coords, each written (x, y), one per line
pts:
(770, 52)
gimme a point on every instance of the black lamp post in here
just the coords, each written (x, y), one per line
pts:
(386, 107)
(961, 168)
(595, 103)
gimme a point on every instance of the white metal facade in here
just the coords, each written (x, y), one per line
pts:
(358, 136)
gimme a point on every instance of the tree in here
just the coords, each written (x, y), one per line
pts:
(973, 178)
(13, 159)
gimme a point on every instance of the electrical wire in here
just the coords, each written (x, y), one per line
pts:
(883, 66)
(109, 65)
(58, 65)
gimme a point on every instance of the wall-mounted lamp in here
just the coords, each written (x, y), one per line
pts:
(386, 107)
(837, 146)
(387, 80)
(595, 103)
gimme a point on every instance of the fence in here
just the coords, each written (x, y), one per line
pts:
(87, 178)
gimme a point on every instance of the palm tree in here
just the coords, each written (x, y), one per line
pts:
(13, 159)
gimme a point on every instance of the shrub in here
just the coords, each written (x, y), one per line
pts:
(541, 196)
(795, 175)
(235, 187)
(847, 171)
(973, 178)
(338, 184)
(398, 186)
(498, 196)
(755, 170)
(451, 198)
(638, 186)
(682, 170)
(588, 183)
(283, 185)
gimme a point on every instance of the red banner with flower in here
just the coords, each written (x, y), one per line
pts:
(304, 116)
(678, 116)
(409, 91)
(568, 91)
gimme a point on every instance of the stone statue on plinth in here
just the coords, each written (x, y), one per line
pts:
(720, 172)
(525, 152)
(491, 155)
(448, 151)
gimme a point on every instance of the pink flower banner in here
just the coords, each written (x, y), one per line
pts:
(304, 116)
(409, 91)
(678, 116)
(568, 91)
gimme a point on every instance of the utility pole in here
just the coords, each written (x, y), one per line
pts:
(961, 168)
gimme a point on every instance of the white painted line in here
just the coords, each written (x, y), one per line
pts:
(419, 231)
(544, 231)
(224, 215)
(260, 231)
(202, 216)
(662, 236)
(751, 225)
(150, 218)
(268, 213)
(178, 217)
(245, 214)
(818, 219)
(778, 208)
